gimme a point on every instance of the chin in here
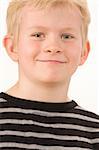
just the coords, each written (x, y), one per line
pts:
(50, 76)
(51, 79)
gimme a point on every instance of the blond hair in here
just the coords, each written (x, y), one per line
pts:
(15, 8)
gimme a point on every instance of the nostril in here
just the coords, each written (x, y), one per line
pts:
(49, 51)
(58, 52)
(52, 51)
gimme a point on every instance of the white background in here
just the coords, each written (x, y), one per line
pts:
(85, 82)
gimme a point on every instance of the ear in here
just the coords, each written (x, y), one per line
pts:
(10, 48)
(85, 53)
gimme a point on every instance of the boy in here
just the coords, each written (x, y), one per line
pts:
(48, 39)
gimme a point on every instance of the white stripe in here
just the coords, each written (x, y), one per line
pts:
(60, 126)
(45, 135)
(2, 100)
(80, 108)
(48, 114)
(34, 146)
(96, 140)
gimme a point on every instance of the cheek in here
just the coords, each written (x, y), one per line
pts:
(74, 54)
(34, 45)
(28, 48)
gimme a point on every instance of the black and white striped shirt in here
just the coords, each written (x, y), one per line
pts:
(32, 125)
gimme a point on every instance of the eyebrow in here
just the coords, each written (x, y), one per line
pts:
(46, 28)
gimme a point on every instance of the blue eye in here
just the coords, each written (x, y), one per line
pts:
(66, 36)
(38, 35)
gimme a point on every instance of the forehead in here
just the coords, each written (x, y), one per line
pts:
(55, 17)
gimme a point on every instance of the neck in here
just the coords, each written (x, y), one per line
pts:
(44, 92)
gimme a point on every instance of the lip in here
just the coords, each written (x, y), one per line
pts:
(52, 61)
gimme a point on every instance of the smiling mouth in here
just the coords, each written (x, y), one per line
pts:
(52, 61)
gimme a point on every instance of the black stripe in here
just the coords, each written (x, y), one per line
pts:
(45, 142)
(96, 146)
(49, 120)
(55, 131)
(28, 104)
(14, 148)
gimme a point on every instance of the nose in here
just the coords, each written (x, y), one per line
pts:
(52, 46)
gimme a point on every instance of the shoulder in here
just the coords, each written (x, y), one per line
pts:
(86, 112)
(89, 117)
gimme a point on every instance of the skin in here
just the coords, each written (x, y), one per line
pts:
(48, 52)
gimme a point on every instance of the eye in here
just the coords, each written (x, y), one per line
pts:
(38, 36)
(67, 36)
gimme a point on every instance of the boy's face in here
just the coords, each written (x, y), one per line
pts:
(50, 47)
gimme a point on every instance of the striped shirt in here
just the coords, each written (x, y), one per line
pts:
(32, 125)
